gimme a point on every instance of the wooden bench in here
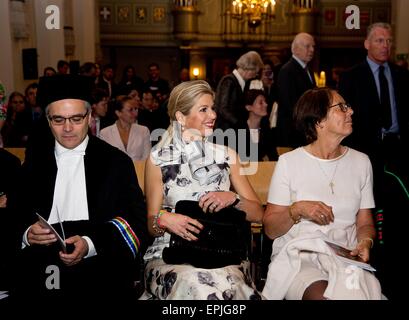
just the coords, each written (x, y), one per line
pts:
(259, 178)
(18, 152)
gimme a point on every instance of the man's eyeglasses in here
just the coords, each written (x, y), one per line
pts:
(343, 106)
(75, 119)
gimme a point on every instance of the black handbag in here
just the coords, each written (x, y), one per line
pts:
(224, 239)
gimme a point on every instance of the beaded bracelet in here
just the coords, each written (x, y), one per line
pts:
(156, 226)
(295, 220)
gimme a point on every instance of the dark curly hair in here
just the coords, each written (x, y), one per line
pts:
(310, 109)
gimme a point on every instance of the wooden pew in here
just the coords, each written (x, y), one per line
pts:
(140, 173)
(281, 150)
(18, 152)
(259, 178)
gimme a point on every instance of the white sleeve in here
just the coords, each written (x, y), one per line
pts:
(367, 198)
(91, 248)
(279, 191)
(25, 242)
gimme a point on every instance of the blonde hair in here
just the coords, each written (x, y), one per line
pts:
(182, 98)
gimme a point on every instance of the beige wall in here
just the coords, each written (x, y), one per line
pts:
(400, 20)
(50, 44)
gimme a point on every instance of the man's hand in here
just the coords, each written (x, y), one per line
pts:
(80, 251)
(39, 235)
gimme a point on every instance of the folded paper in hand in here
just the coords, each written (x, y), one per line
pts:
(344, 254)
(44, 223)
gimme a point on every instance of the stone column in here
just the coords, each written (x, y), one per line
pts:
(400, 18)
(50, 42)
(7, 60)
(84, 24)
(304, 15)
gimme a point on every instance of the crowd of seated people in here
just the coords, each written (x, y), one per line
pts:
(320, 192)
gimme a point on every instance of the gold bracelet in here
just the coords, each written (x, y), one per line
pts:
(295, 220)
(370, 239)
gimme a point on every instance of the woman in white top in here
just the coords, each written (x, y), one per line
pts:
(125, 134)
(320, 192)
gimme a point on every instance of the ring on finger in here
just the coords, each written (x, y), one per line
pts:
(322, 216)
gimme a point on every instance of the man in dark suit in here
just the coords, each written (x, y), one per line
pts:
(88, 191)
(380, 134)
(294, 79)
(378, 93)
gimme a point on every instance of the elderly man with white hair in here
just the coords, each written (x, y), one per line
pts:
(294, 79)
(229, 101)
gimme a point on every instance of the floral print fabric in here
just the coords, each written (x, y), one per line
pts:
(210, 173)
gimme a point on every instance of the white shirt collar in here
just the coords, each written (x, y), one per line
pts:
(302, 63)
(239, 78)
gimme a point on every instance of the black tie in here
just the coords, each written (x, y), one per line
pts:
(385, 99)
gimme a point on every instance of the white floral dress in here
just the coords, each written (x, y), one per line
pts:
(188, 171)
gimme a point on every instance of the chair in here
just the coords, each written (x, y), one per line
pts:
(18, 152)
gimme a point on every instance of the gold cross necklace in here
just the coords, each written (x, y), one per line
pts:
(331, 181)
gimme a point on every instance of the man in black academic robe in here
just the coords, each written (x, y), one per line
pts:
(110, 241)
(10, 170)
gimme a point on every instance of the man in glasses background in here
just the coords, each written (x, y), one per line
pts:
(88, 191)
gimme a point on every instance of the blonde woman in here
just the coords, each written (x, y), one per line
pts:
(185, 166)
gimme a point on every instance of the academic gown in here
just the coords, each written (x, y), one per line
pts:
(9, 177)
(112, 191)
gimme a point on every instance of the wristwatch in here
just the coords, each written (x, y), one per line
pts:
(237, 201)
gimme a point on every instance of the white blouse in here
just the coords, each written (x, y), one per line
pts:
(139, 144)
